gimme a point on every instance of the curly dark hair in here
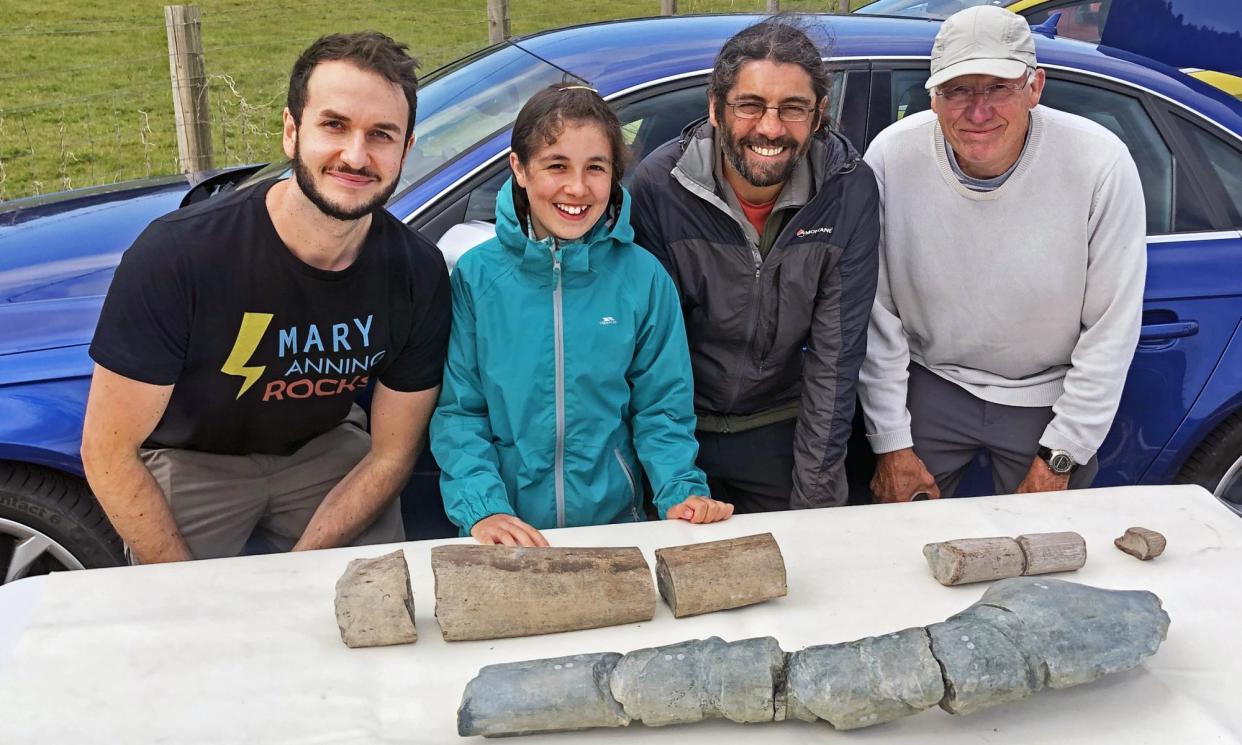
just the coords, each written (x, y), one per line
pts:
(369, 50)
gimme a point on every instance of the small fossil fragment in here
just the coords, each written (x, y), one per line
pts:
(718, 575)
(1141, 543)
(1022, 636)
(966, 560)
(374, 602)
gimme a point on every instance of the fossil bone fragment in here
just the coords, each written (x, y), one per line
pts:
(697, 680)
(718, 575)
(374, 602)
(967, 560)
(554, 695)
(1141, 543)
(864, 682)
(1023, 635)
(490, 592)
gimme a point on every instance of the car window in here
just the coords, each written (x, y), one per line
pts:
(1125, 117)
(1122, 114)
(1225, 161)
(938, 9)
(1080, 19)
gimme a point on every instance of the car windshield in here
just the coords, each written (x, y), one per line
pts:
(939, 9)
(460, 105)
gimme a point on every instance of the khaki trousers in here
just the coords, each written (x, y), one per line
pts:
(218, 501)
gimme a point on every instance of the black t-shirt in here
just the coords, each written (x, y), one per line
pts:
(265, 351)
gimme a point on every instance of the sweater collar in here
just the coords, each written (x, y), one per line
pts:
(1029, 154)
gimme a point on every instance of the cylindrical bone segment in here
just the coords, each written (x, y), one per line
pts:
(1053, 552)
(966, 560)
(865, 682)
(491, 592)
(706, 577)
(1141, 543)
(553, 695)
(374, 602)
(984, 660)
(700, 679)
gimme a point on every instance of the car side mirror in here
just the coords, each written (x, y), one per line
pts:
(460, 238)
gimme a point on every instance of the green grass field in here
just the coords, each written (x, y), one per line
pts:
(85, 96)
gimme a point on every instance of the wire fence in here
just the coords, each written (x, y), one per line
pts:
(88, 101)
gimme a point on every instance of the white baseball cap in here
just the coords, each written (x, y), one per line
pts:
(983, 40)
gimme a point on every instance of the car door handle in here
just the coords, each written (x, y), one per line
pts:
(1165, 331)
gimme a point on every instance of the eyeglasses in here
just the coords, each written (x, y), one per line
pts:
(790, 112)
(961, 96)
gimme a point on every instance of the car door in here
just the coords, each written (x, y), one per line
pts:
(1190, 309)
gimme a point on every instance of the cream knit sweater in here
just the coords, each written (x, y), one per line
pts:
(1028, 295)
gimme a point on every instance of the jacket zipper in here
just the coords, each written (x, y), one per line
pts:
(558, 332)
(629, 476)
(754, 316)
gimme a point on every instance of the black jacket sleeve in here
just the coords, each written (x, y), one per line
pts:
(834, 353)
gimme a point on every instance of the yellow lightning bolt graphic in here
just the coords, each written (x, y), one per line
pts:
(252, 327)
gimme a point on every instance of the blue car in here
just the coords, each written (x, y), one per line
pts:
(1181, 414)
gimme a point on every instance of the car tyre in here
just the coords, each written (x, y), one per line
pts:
(50, 521)
(1216, 464)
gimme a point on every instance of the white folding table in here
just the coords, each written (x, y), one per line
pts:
(246, 650)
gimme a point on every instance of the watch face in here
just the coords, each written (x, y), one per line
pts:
(1060, 463)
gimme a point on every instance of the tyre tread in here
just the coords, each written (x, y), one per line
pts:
(83, 528)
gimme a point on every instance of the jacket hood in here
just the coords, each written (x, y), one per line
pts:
(831, 153)
(613, 229)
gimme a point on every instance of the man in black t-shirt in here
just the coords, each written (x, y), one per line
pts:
(238, 332)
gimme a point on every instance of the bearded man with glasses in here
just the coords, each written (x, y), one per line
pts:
(768, 222)
(1011, 276)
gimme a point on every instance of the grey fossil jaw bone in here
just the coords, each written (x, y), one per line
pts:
(1024, 634)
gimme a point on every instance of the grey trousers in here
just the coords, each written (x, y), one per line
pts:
(218, 501)
(950, 426)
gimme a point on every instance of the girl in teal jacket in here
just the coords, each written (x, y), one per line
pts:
(568, 374)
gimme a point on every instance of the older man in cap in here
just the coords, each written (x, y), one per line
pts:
(1012, 260)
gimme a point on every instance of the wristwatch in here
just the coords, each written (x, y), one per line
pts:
(1059, 461)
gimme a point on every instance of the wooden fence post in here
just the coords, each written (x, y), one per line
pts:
(843, 6)
(498, 20)
(774, 6)
(668, 7)
(189, 87)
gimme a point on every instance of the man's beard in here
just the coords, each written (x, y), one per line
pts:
(306, 181)
(771, 175)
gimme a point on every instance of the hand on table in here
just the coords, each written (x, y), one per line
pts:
(507, 530)
(698, 509)
(900, 475)
(1039, 477)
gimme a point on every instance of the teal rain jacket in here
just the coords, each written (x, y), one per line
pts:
(567, 369)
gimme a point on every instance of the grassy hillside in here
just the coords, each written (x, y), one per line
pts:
(84, 84)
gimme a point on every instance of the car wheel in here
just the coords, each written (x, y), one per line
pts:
(50, 522)
(1216, 464)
